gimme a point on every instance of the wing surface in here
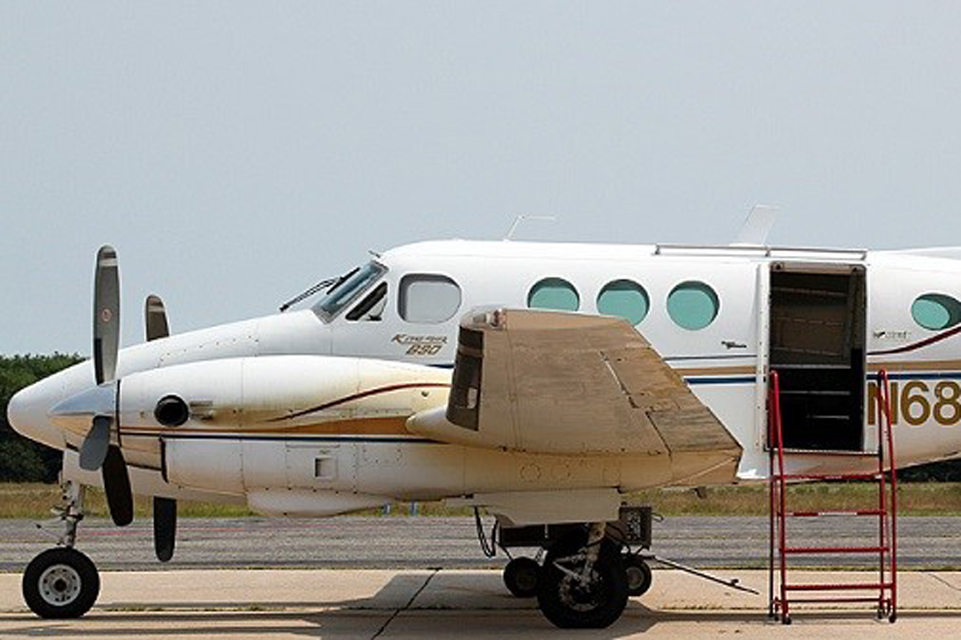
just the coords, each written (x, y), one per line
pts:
(561, 383)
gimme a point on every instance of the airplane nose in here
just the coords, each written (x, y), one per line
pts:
(27, 413)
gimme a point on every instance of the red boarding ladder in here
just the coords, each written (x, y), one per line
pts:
(783, 593)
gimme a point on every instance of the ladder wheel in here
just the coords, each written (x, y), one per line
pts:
(786, 620)
(893, 617)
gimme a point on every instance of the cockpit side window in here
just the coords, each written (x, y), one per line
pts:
(348, 290)
(371, 308)
(428, 298)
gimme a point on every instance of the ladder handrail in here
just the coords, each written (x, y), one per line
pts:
(886, 429)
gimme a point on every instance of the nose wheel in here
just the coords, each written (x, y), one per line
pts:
(61, 583)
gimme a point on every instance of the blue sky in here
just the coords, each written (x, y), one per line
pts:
(236, 152)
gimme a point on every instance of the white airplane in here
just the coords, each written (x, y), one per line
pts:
(540, 382)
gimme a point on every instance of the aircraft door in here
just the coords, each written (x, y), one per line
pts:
(816, 343)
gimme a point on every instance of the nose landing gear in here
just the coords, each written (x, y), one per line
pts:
(62, 582)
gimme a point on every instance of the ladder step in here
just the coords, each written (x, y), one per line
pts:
(806, 550)
(837, 512)
(838, 599)
(838, 453)
(828, 476)
(874, 586)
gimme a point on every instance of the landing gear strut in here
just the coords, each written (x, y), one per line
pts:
(62, 582)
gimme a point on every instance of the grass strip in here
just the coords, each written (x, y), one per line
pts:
(33, 501)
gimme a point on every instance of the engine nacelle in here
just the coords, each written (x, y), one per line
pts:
(239, 424)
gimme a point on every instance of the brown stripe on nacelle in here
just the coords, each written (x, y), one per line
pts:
(358, 396)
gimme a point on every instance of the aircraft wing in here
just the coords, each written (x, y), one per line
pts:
(562, 383)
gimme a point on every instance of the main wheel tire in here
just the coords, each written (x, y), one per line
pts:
(639, 575)
(571, 604)
(521, 576)
(60, 583)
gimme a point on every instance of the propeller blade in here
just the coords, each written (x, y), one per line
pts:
(164, 527)
(106, 315)
(116, 484)
(93, 451)
(164, 509)
(155, 317)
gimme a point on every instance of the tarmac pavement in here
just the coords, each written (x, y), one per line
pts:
(325, 603)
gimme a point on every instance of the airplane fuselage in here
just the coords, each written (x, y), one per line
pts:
(722, 317)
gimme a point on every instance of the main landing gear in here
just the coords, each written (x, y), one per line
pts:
(62, 582)
(583, 584)
(584, 573)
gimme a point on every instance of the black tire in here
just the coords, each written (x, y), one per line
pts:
(60, 583)
(639, 575)
(521, 576)
(570, 604)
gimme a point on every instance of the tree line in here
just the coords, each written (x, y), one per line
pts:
(23, 460)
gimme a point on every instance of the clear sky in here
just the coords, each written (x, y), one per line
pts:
(236, 152)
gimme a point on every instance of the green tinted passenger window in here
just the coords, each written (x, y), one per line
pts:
(693, 305)
(554, 293)
(935, 311)
(625, 299)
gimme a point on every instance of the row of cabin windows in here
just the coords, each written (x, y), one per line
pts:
(691, 305)
(433, 299)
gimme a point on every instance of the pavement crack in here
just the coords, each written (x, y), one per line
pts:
(397, 612)
(944, 582)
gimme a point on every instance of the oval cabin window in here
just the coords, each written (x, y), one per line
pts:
(693, 305)
(554, 293)
(935, 311)
(624, 299)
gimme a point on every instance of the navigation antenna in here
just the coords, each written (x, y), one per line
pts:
(521, 218)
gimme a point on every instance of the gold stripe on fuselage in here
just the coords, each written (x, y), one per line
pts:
(917, 365)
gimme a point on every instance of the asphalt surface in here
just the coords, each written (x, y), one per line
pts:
(380, 604)
(400, 542)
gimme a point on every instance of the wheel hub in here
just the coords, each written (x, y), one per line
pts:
(581, 595)
(634, 577)
(60, 585)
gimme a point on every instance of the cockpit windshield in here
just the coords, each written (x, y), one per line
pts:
(347, 289)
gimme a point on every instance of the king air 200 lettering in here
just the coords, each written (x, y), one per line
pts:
(420, 345)
(915, 402)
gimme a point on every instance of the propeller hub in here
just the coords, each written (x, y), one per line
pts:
(76, 412)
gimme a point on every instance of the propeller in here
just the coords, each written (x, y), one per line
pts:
(101, 447)
(164, 509)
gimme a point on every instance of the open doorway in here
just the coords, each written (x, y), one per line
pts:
(817, 346)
